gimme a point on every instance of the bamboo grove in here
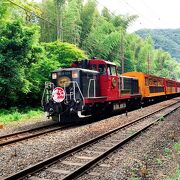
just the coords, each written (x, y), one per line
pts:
(36, 38)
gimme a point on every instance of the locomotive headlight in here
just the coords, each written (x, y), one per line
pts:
(74, 74)
(54, 75)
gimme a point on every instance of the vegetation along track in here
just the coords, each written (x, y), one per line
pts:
(74, 162)
(30, 133)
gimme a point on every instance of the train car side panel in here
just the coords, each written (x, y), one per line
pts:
(155, 85)
(150, 86)
(178, 87)
(170, 86)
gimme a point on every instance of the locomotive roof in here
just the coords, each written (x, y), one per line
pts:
(77, 69)
(147, 75)
(102, 61)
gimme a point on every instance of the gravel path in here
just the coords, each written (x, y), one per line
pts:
(22, 154)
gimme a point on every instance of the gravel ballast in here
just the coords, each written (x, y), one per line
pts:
(22, 154)
(150, 156)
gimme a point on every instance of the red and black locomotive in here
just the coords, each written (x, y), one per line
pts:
(88, 88)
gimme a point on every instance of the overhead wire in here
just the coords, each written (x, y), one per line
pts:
(116, 10)
(156, 16)
(144, 16)
(38, 16)
(137, 11)
(46, 20)
(32, 12)
(165, 34)
(154, 13)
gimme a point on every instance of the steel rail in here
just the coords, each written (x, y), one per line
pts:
(26, 131)
(102, 156)
(17, 139)
(41, 165)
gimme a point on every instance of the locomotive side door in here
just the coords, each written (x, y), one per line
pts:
(103, 79)
(112, 82)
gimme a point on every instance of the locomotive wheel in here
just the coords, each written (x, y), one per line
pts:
(108, 110)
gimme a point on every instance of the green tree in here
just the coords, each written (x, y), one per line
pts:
(88, 18)
(56, 55)
(17, 46)
(48, 31)
(3, 10)
(106, 14)
(59, 12)
(103, 41)
(64, 53)
(72, 22)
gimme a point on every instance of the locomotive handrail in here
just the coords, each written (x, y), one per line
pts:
(74, 91)
(94, 87)
(42, 99)
(48, 86)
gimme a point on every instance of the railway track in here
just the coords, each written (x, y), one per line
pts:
(30, 133)
(76, 161)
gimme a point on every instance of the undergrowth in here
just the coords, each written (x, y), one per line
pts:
(176, 176)
(14, 114)
(176, 147)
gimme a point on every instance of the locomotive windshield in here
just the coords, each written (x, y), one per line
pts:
(93, 67)
(112, 70)
(102, 69)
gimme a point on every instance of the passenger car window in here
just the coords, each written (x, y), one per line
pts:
(102, 68)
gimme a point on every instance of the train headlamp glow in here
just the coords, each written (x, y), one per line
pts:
(64, 81)
(54, 75)
(74, 74)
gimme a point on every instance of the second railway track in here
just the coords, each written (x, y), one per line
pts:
(30, 133)
(77, 160)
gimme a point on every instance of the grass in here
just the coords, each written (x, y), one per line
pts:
(177, 146)
(14, 114)
(176, 176)
(161, 118)
(134, 178)
(159, 161)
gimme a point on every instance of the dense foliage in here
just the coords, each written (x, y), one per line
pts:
(17, 53)
(31, 47)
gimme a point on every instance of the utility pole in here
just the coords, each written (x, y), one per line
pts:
(148, 63)
(122, 51)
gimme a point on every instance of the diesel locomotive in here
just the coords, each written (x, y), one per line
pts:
(93, 87)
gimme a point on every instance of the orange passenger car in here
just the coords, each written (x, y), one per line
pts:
(150, 86)
(170, 86)
(178, 87)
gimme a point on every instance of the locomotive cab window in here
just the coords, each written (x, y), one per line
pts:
(93, 67)
(111, 70)
(102, 69)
